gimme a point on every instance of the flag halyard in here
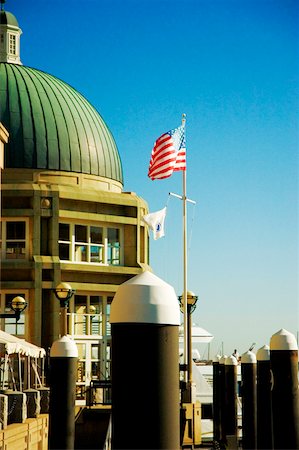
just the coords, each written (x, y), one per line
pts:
(168, 154)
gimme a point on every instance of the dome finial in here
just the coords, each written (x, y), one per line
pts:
(2, 3)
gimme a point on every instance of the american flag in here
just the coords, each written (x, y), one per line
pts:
(168, 154)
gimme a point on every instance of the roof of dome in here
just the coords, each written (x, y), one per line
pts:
(52, 126)
(6, 18)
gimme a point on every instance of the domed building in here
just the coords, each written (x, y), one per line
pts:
(65, 216)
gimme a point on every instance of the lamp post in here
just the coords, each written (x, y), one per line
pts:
(191, 305)
(63, 293)
(18, 305)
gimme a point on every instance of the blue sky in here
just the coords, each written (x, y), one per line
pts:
(232, 67)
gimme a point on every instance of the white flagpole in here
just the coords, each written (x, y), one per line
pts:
(185, 306)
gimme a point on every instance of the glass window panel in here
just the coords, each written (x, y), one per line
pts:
(64, 232)
(10, 321)
(15, 250)
(81, 351)
(96, 235)
(80, 392)
(15, 230)
(20, 329)
(80, 233)
(80, 253)
(15, 328)
(108, 352)
(108, 326)
(96, 254)
(81, 371)
(96, 301)
(10, 328)
(12, 44)
(95, 370)
(80, 303)
(113, 235)
(64, 252)
(95, 351)
(113, 254)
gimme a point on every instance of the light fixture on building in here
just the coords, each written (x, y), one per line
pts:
(46, 203)
(18, 305)
(64, 293)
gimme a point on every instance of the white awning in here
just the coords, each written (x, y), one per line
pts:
(12, 344)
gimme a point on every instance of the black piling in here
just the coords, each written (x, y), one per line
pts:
(231, 427)
(222, 399)
(249, 412)
(216, 399)
(285, 393)
(145, 322)
(63, 370)
(263, 399)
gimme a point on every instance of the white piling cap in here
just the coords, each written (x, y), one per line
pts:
(145, 298)
(263, 353)
(283, 340)
(217, 358)
(231, 361)
(248, 358)
(64, 348)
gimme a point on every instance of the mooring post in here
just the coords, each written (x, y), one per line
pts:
(231, 426)
(249, 418)
(222, 399)
(263, 399)
(285, 393)
(145, 319)
(63, 370)
(216, 399)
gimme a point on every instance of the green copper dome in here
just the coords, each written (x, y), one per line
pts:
(52, 126)
(6, 18)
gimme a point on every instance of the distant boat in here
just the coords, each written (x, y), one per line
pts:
(199, 335)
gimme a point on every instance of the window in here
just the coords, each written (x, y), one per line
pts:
(12, 44)
(89, 243)
(108, 307)
(13, 239)
(9, 325)
(85, 315)
(113, 246)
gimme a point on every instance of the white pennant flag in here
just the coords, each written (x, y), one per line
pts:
(155, 221)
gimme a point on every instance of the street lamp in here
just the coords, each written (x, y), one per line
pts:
(191, 305)
(63, 293)
(18, 305)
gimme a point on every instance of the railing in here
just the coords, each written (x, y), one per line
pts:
(99, 393)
